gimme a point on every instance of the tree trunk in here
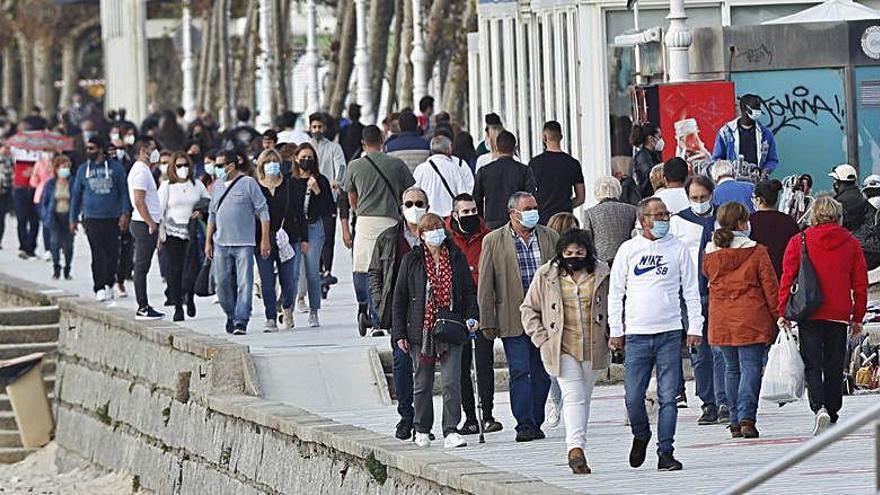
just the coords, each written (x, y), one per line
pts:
(8, 85)
(406, 44)
(211, 72)
(247, 68)
(279, 74)
(394, 56)
(381, 13)
(71, 59)
(434, 35)
(223, 57)
(342, 8)
(26, 62)
(204, 49)
(346, 61)
(455, 94)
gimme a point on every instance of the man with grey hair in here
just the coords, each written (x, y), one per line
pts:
(510, 258)
(728, 189)
(443, 177)
(611, 221)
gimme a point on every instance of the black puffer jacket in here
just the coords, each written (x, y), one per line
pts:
(408, 307)
(855, 206)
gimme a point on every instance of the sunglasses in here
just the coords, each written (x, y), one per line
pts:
(417, 204)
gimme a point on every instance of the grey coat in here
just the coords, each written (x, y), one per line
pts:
(610, 223)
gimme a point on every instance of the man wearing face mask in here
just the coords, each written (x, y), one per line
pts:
(855, 207)
(693, 227)
(145, 218)
(468, 231)
(748, 138)
(523, 244)
(650, 273)
(391, 246)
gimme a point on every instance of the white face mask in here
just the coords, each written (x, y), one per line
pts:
(414, 214)
(755, 113)
(659, 145)
(701, 208)
(182, 172)
(154, 156)
(129, 139)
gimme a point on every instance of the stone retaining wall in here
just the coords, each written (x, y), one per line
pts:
(179, 412)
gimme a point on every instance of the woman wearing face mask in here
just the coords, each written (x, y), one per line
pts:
(647, 139)
(437, 264)
(55, 205)
(742, 311)
(179, 197)
(572, 342)
(313, 195)
(284, 215)
(210, 171)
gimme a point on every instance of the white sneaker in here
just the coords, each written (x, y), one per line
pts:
(270, 326)
(287, 319)
(454, 441)
(552, 414)
(110, 293)
(313, 319)
(423, 440)
(47, 256)
(301, 305)
(823, 419)
(101, 295)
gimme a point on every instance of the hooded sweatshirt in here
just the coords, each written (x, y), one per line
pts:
(99, 191)
(743, 295)
(840, 267)
(471, 246)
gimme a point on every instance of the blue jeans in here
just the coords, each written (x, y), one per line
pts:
(745, 366)
(529, 381)
(708, 364)
(403, 382)
(27, 217)
(234, 278)
(286, 278)
(313, 264)
(61, 241)
(643, 353)
(362, 294)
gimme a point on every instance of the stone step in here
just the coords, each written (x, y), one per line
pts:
(35, 315)
(7, 421)
(26, 334)
(9, 351)
(11, 455)
(10, 438)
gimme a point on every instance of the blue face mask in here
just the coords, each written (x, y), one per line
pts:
(529, 218)
(660, 229)
(273, 168)
(209, 168)
(435, 238)
(64, 173)
(744, 233)
(221, 174)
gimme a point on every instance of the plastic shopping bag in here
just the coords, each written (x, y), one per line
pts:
(783, 380)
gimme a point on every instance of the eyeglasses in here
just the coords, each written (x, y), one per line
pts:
(661, 215)
(417, 204)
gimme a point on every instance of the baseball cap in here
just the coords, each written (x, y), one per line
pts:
(871, 182)
(844, 172)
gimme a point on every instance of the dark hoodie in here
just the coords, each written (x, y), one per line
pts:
(841, 270)
(855, 206)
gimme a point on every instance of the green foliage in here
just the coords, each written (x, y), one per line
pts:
(377, 470)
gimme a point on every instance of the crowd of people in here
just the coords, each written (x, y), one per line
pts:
(456, 245)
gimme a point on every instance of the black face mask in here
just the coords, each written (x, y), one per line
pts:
(575, 264)
(307, 164)
(195, 157)
(92, 155)
(469, 224)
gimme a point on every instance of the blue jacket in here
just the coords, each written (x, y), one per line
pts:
(47, 202)
(99, 191)
(727, 145)
(734, 190)
(407, 141)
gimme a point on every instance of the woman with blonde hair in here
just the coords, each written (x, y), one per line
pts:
(179, 197)
(742, 311)
(286, 230)
(563, 222)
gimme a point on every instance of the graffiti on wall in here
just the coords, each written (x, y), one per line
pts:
(801, 107)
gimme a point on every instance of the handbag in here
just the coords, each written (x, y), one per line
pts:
(202, 286)
(806, 295)
(449, 328)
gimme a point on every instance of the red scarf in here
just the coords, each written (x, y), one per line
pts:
(440, 281)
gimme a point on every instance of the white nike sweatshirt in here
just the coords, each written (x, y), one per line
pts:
(646, 277)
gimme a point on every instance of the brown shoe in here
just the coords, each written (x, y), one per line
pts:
(748, 429)
(735, 431)
(577, 462)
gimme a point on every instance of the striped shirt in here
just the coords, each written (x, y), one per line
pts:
(528, 254)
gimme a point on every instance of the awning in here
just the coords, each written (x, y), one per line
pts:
(830, 11)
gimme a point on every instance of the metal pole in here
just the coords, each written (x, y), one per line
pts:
(419, 57)
(678, 41)
(311, 61)
(186, 65)
(362, 60)
(265, 65)
(637, 48)
(807, 449)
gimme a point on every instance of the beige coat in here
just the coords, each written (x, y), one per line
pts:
(542, 317)
(500, 291)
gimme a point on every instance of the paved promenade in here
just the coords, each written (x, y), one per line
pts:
(711, 458)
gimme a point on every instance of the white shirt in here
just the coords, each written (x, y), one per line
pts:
(458, 176)
(293, 136)
(674, 198)
(141, 179)
(179, 199)
(643, 297)
(331, 159)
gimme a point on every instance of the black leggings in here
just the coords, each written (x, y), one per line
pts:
(175, 249)
(103, 235)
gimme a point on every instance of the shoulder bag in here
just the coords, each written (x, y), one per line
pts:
(449, 327)
(384, 178)
(443, 179)
(806, 295)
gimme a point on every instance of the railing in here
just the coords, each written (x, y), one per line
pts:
(829, 437)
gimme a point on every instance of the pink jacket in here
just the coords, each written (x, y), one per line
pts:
(40, 176)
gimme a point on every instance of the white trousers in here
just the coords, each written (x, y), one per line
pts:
(576, 381)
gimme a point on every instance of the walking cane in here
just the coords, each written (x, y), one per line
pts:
(473, 337)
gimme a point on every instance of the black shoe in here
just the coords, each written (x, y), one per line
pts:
(431, 436)
(681, 401)
(526, 435)
(470, 427)
(325, 289)
(404, 430)
(178, 313)
(168, 303)
(56, 275)
(328, 279)
(148, 313)
(229, 326)
(668, 463)
(363, 323)
(67, 274)
(491, 426)
(239, 329)
(723, 415)
(190, 305)
(638, 451)
(378, 333)
(539, 434)
(709, 416)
